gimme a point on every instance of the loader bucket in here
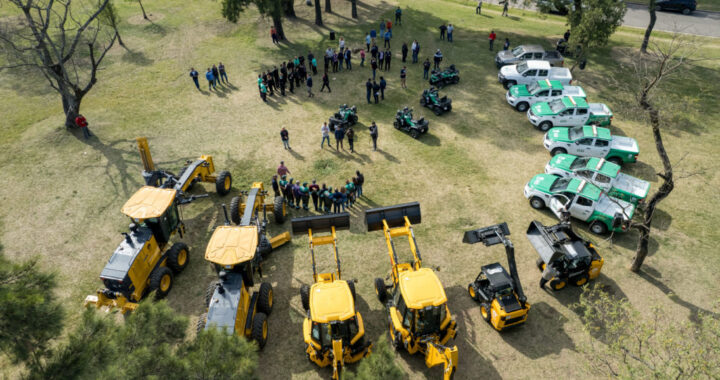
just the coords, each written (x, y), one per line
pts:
(543, 242)
(321, 223)
(393, 215)
(486, 235)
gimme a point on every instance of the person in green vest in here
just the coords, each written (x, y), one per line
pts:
(327, 199)
(305, 195)
(283, 183)
(350, 190)
(289, 193)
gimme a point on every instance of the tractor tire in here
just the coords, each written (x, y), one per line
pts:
(522, 107)
(397, 342)
(202, 321)
(414, 133)
(616, 160)
(545, 126)
(540, 264)
(264, 246)
(305, 296)
(557, 283)
(456, 80)
(161, 282)
(178, 257)
(259, 330)
(279, 209)
(449, 108)
(557, 151)
(537, 203)
(223, 183)
(580, 279)
(235, 211)
(351, 285)
(381, 290)
(210, 291)
(598, 228)
(473, 292)
(485, 311)
(265, 298)
(509, 83)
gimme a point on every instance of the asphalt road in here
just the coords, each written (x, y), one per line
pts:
(699, 22)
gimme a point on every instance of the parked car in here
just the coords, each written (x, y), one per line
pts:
(591, 141)
(684, 6)
(528, 52)
(532, 71)
(601, 173)
(568, 111)
(559, 7)
(522, 96)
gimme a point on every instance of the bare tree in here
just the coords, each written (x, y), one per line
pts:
(142, 8)
(353, 9)
(661, 61)
(653, 17)
(52, 37)
(318, 13)
(328, 6)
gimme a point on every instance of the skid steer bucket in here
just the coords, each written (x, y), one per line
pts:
(486, 235)
(393, 215)
(546, 240)
(321, 223)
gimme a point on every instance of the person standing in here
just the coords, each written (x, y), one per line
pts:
(348, 57)
(387, 39)
(276, 77)
(270, 83)
(388, 26)
(285, 137)
(315, 194)
(263, 92)
(297, 194)
(491, 39)
(291, 80)
(326, 83)
(274, 35)
(426, 68)
(337, 199)
(281, 82)
(210, 78)
(376, 91)
(506, 45)
(505, 8)
(442, 28)
(275, 185)
(404, 51)
(289, 195)
(351, 138)
(362, 58)
(82, 123)
(325, 130)
(437, 58)
(194, 76)
(415, 51)
(368, 89)
(223, 73)
(309, 86)
(403, 74)
(388, 57)
(282, 170)
(383, 85)
(373, 65)
(339, 136)
(327, 196)
(305, 195)
(374, 51)
(341, 57)
(382, 28)
(341, 43)
(450, 30)
(313, 63)
(374, 134)
(216, 75)
(343, 198)
(367, 41)
(283, 184)
(478, 9)
(398, 16)
(360, 182)
(335, 62)
(381, 60)
(350, 191)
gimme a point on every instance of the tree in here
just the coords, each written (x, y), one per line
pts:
(650, 70)
(651, 25)
(621, 343)
(318, 13)
(216, 355)
(592, 23)
(66, 44)
(328, 6)
(379, 365)
(231, 10)
(290, 8)
(353, 8)
(142, 8)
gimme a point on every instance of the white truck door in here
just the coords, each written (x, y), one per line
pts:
(601, 148)
(557, 206)
(583, 146)
(581, 208)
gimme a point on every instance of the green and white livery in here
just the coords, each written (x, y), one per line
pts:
(601, 173)
(581, 200)
(568, 111)
(522, 96)
(591, 141)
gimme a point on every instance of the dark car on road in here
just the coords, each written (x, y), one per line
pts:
(684, 6)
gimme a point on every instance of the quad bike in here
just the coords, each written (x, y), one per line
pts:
(431, 99)
(345, 117)
(404, 121)
(451, 75)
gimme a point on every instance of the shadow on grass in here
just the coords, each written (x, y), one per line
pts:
(654, 278)
(137, 58)
(543, 333)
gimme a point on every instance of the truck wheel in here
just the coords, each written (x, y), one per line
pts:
(540, 264)
(351, 285)
(259, 330)
(210, 291)
(598, 228)
(414, 133)
(557, 151)
(305, 296)
(381, 290)
(223, 183)
(265, 298)
(537, 203)
(485, 311)
(557, 283)
(200, 326)
(522, 106)
(615, 160)
(235, 211)
(509, 83)
(178, 257)
(161, 281)
(472, 292)
(686, 11)
(545, 126)
(279, 209)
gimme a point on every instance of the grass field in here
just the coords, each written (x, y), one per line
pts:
(61, 195)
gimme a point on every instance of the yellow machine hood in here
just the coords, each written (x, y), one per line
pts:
(148, 202)
(422, 288)
(232, 245)
(331, 301)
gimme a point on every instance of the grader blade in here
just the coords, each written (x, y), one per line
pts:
(394, 216)
(321, 223)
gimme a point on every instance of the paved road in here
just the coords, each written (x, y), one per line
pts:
(700, 23)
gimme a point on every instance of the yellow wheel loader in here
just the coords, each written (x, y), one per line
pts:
(502, 301)
(419, 319)
(333, 330)
(237, 253)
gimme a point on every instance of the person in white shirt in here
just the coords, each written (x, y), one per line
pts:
(325, 134)
(342, 43)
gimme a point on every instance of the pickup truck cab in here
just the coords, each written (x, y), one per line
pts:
(581, 200)
(528, 52)
(568, 111)
(532, 71)
(601, 173)
(522, 96)
(591, 141)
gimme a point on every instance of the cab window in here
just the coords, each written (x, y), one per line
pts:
(584, 173)
(543, 73)
(530, 73)
(567, 112)
(527, 56)
(602, 143)
(543, 93)
(585, 141)
(538, 55)
(602, 178)
(405, 313)
(582, 201)
(582, 111)
(556, 92)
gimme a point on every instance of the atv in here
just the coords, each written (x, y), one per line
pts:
(345, 117)
(451, 75)
(404, 121)
(431, 99)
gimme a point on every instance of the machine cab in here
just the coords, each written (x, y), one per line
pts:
(332, 314)
(421, 304)
(233, 249)
(156, 209)
(496, 280)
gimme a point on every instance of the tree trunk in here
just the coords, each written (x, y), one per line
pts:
(289, 8)
(143, 10)
(71, 107)
(318, 13)
(575, 14)
(648, 31)
(328, 6)
(354, 8)
(277, 22)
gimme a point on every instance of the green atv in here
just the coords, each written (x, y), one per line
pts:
(405, 122)
(431, 99)
(345, 117)
(451, 75)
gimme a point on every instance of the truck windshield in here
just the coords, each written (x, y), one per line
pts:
(518, 51)
(559, 185)
(579, 163)
(429, 319)
(556, 105)
(532, 87)
(522, 67)
(325, 333)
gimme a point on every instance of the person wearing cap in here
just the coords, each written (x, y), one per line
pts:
(297, 194)
(314, 193)
(289, 193)
(305, 195)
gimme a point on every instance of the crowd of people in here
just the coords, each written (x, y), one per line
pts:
(288, 77)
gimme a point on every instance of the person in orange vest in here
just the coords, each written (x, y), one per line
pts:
(82, 123)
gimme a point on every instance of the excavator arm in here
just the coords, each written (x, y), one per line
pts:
(437, 354)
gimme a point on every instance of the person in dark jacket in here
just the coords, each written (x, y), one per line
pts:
(442, 28)
(404, 51)
(285, 137)
(368, 89)
(305, 195)
(383, 84)
(326, 82)
(282, 82)
(283, 184)
(276, 76)
(426, 68)
(309, 86)
(216, 74)
(194, 76)
(275, 185)
(351, 138)
(289, 193)
(211, 79)
(376, 91)
(374, 51)
(291, 81)
(374, 134)
(297, 194)
(360, 182)
(348, 58)
(373, 66)
(315, 194)
(327, 196)
(388, 57)
(337, 200)
(339, 136)
(437, 58)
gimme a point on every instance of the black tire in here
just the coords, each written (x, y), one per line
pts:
(414, 133)
(159, 284)
(508, 83)
(353, 119)
(351, 285)
(522, 106)
(223, 183)
(210, 291)
(557, 151)
(449, 108)
(537, 203)
(202, 321)
(397, 342)
(259, 329)
(247, 274)
(265, 298)
(456, 79)
(422, 102)
(598, 228)
(279, 209)
(264, 246)
(473, 292)
(235, 211)
(438, 111)
(485, 311)
(616, 160)
(580, 279)
(545, 126)
(396, 124)
(178, 257)
(540, 263)
(557, 283)
(381, 290)
(305, 297)
(686, 11)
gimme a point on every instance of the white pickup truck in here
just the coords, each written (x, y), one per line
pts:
(532, 71)
(522, 96)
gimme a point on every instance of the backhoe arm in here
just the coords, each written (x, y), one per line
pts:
(437, 354)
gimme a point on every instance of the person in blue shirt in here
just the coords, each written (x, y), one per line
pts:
(348, 56)
(383, 84)
(309, 86)
(387, 39)
(367, 41)
(210, 78)
(337, 198)
(339, 137)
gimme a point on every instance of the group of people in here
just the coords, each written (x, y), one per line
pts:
(324, 199)
(290, 74)
(340, 133)
(215, 75)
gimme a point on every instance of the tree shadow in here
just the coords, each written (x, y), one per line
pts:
(653, 276)
(571, 297)
(137, 58)
(543, 333)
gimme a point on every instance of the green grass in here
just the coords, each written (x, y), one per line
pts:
(61, 196)
(709, 5)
